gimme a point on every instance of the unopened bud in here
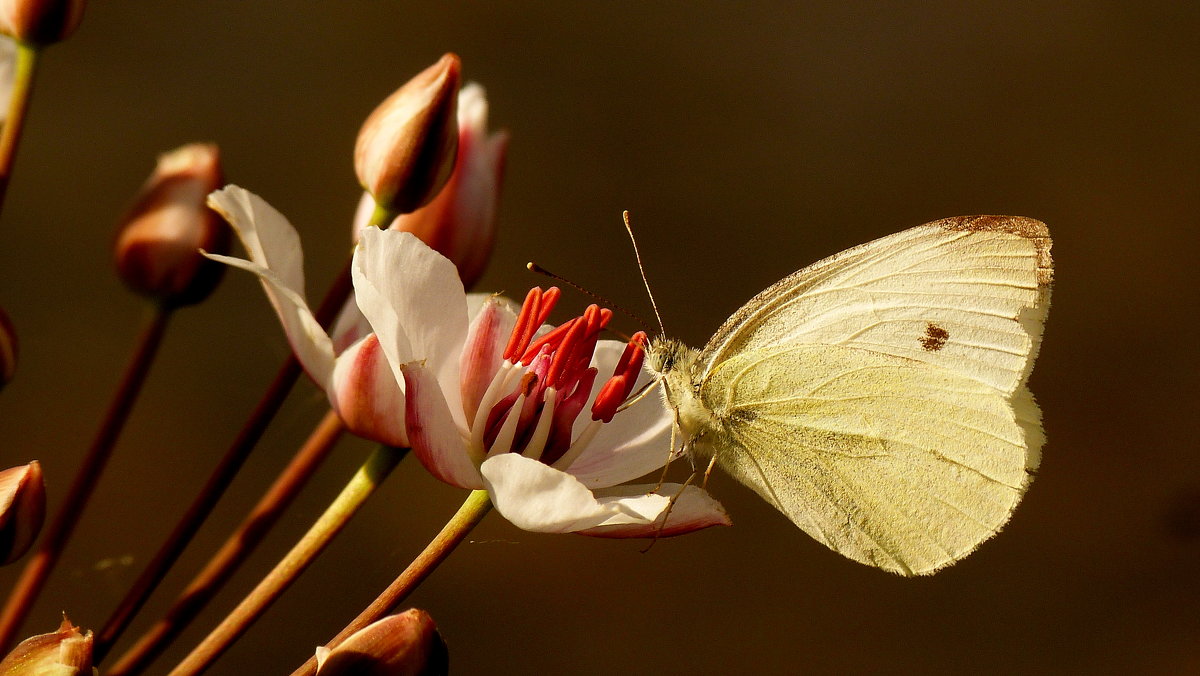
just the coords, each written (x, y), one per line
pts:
(159, 240)
(405, 150)
(66, 652)
(8, 350)
(407, 644)
(22, 509)
(40, 22)
(460, 223)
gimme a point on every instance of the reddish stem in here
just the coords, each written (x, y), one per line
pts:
(236, 549)
(33, 577)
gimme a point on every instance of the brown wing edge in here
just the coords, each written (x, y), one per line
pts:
(1029, 228)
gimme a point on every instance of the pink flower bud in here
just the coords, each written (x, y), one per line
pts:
(406, 148)
(66, 652)
(8, 350)
(407, 644)
(22, 509)
(460, 223)
(40, 22)
(159, 240)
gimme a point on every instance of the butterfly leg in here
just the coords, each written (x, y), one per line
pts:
(667, 510)
(708, 470)
(662, 478)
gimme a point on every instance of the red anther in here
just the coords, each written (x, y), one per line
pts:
(610, 397)
(552, 339)
(636, 349)
(562, 356)
(549, 300)
(526, 324)
(605, 315)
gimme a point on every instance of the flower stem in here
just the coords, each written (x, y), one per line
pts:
(33, 577)
(472, 511)
(222, 565)
(225, 471)
(336, 516)
(18, 105)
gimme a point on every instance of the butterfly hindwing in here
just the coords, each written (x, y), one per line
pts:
(894, 463)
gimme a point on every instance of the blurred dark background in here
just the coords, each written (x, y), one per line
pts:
(748, 141)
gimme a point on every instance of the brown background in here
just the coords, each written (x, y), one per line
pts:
(748, 140)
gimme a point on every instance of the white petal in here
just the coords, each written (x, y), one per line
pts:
(274, 248)
(436, 440)
(638, 439)
(349, 327)
(695, 509)
(308, 340)
(8, 69)
(539, 498)
(415, 302)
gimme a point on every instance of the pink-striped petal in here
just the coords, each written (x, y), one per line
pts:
(366, 396)
(435, 438)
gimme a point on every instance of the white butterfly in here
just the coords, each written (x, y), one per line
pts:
(877, 397)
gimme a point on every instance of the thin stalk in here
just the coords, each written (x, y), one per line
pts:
(236, 549)
(33, 577)
(472, 511)
(18, 105)
(221, 477)
(336, 516)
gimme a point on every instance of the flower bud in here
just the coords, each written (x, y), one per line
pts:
(8, 350)
(66, 652)
(22, 509)
(407, 644)
(460, 223)
(40, 22)
(405, 150)
(159, 240)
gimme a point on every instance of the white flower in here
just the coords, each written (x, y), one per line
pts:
(487, 397)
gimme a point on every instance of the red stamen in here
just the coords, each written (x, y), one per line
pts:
(565, 414)
(526, 324)
(552, 339)
(558, 366)
(549, 300)
(620, 385)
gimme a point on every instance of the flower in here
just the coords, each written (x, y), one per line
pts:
(22, 509)
(460, 223)
(156, 249)
(406, 644)
(405, 150)
(65, 652)
(8, 71)
(488, 396)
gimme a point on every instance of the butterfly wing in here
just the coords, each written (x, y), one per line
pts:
(878, 397)
(967, 293)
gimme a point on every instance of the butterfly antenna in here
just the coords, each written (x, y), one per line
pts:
(537, 269)
(638, 255)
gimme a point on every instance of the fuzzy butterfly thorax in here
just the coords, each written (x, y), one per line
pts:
(676, 366)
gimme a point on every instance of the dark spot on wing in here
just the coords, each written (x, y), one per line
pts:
(935, 337)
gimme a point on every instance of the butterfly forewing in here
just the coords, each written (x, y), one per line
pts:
(967, 293)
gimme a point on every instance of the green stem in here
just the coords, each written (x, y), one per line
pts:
(238, 546)
(336, 516)
(472, 511)
(382, 217)
(18, 105)
(33, 577)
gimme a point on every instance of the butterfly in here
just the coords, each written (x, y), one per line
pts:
(877, 398)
